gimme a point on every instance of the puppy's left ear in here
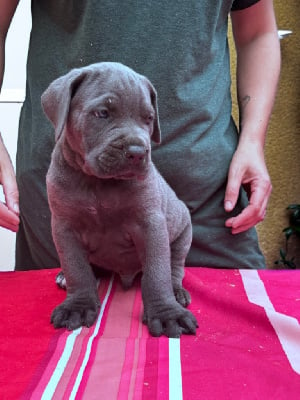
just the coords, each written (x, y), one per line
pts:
(156, 135)
(57, 98)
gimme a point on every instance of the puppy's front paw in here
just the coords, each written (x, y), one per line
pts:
(170, 320)
(76, 311)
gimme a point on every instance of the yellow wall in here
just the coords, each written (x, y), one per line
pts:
(283, 141)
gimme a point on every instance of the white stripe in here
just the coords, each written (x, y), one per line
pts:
(175, 380)
(90, 342)
(286, 327)
(62, 363)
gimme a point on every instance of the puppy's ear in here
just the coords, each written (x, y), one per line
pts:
(57, 98)
(156, 135)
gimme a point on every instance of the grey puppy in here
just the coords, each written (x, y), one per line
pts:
(110, 206)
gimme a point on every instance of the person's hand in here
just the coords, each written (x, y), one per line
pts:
(9, 211)
(247, 169)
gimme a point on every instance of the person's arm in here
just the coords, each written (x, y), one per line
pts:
(258, 68)
(10, 210)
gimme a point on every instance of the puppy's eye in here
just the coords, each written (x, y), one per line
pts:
(101, 113)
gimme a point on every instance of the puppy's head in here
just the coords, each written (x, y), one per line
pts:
(104, 116)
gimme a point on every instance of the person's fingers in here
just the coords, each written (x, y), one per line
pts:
(256, 210)
(8, 219)
(11, 194)
(9, 183)
(232, 190)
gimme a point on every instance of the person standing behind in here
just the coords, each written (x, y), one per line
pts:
(182, 48)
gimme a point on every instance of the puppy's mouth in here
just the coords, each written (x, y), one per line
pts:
(123, 169)
(129, 175)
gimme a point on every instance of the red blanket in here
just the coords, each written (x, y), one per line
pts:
(247, 345)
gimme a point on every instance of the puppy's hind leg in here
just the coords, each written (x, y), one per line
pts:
(179, 250)
(99, 273)
(60, 280)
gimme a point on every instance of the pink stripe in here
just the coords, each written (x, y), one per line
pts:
(151, 370)
(136, 323)
(139, 381)
(127, 371)
(39, 390)
(107, 308)
(103, 288)
(110, 349)
(163, 369)
(69, 376)
(128, 376)
(139, 331)
(118, 322)
(132, 393)
(28, 393)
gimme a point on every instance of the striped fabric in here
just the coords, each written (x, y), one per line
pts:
(247, 345)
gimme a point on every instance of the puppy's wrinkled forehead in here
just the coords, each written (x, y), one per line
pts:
(115, 84)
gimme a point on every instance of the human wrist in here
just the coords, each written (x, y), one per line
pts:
(251, 142)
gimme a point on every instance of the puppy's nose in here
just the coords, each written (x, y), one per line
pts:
(136, 154)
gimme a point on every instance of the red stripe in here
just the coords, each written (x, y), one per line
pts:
(151, 369)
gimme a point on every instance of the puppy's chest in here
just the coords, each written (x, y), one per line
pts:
(103, 214)
(108, 221)
(105, 197)
(106, 235)
(105, 221)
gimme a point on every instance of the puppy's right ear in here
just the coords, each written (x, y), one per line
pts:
(57, 98)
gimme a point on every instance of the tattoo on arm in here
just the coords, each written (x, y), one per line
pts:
(244, 102)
